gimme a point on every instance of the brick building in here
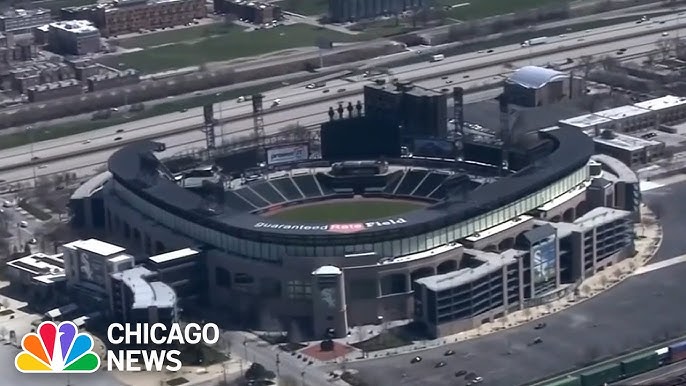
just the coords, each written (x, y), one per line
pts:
(128, 16)
(254, 12)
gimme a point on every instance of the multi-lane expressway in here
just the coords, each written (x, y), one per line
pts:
(170, 128)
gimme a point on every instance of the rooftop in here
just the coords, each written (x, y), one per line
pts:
(600, 216)
(492, 262)
(498, 228)
(661, 103)
(622, 112)
(327, 270)
(146, 294)
(619, 168)
(39, 264)
(584, 121)
(75, 26)
(20, 12)
(173, 255)
(535, 77)
(96, 246)
(624, 141)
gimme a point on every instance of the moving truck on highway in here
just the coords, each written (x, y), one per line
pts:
(437, 58)
(535, 41)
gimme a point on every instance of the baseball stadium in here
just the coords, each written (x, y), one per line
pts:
(327, 243)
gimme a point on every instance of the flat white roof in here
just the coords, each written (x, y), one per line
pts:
(564, 197)
(173, 255)
(39, 264)
(96, 246)
(622, 112)
(661, 103)
(422, 255)
(75, 26)
(498, 228)
(327, 270)
(122, 257)
(584, 121)
(624, 141)
(600, 216)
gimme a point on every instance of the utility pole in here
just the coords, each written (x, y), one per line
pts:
(29, 131)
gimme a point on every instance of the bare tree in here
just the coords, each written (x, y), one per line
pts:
(287, 380)
(665, 48)
(603, 280)
(610, 63)
(586, 289)
(587, 64)
(5, 303)
(657, 209)
(3, 332)
(527, 313)
(617, 273)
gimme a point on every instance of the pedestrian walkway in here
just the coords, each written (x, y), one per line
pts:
(660, 265)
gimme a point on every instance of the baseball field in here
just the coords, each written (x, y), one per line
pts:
(346, 210)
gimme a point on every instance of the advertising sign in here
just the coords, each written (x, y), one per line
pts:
(543, 256)
(92, 269)
(433, 148)
(334, 228)
(287, 154)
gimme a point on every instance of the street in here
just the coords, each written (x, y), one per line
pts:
(280, 362)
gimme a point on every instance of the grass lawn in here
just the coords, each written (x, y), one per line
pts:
(185, 34)
(346, 210)
(228, 46)
(483, 8)
(305, 7)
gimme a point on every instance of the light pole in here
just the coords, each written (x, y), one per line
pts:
(278, 361)
(221, 121)
(29, 132)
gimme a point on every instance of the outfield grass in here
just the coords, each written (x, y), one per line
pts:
(228, 46)
(346, 210)
(175, 36)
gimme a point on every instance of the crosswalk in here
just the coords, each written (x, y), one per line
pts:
(660, 265)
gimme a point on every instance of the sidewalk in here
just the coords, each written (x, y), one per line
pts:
(649, 238)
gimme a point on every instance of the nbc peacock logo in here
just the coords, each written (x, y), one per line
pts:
(57, 349)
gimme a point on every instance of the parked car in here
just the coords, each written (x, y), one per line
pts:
(449, 353)
(416, 359)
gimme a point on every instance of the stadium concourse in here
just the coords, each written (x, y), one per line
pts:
(464, 242)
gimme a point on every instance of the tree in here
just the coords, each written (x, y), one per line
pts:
(6, 303)
(665, 47)
(586, 289)
(3, 332)
(587, 63)
(610, 63)
(287, 381)
(527, 313)
(603, 280)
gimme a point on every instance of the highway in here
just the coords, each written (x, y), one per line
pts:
(316, 112)
(657, 376)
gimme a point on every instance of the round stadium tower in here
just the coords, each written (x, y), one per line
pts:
(326, 245)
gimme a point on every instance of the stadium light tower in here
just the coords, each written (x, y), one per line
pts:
(258, 123)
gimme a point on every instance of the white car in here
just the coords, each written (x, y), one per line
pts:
(23, 224)
(7, 204)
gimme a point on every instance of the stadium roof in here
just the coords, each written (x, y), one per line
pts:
(136, 168)
(535, 77)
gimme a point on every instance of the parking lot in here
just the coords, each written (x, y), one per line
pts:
(641, 310)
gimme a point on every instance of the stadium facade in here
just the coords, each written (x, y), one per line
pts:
(472, 254)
